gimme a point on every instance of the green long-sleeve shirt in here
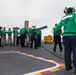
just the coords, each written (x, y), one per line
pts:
(4, 32)
(33, 31)
(9, 32)
(24, 30)
(58, 32)
(39, 32)
(69, 23)
(1, 33)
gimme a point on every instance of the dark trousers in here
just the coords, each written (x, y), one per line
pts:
(22, 40)
(14, 40)
(57, 40)
(33, 39)
(18, 40)
(39, 41)
(69, 47)
(0, 42)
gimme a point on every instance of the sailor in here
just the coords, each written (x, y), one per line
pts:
(39, 33)
(33, 36)
(57, 39)
(68, 21)
(9, 32)
(4, 36)
(1, 36)
(23, 32)
(16, 36)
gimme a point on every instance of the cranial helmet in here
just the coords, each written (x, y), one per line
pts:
(34, 26)
(69, 9)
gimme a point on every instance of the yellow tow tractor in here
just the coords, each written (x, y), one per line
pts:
(48, 39)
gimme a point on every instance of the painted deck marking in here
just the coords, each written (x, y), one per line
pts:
(42, 71)
(46, 70)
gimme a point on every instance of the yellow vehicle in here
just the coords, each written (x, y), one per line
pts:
(48, 39)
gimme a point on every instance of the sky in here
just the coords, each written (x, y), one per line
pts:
(37, 12)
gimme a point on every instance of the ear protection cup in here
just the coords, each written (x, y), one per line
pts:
(65, 10)
(74, 10)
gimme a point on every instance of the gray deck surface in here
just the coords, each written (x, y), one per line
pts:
(14, 63)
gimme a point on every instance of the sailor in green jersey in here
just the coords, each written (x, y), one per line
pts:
(9, 32)
(39, 33)
(23, 33)
(4, 36)
(1, 36)
(57, 39)
(68, 21)
(33, 36)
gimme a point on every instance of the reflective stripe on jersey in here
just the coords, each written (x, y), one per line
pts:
(67, 17)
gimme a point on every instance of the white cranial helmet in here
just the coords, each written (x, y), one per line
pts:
(69, 7)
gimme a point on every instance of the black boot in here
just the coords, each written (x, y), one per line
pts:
(68, 68)
(75, 71)
(54, 50)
